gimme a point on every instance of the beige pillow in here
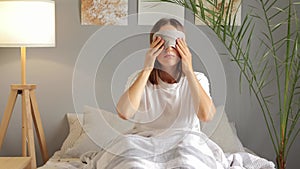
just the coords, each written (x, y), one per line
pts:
(75, 122)
(220, 131)
(100, 127)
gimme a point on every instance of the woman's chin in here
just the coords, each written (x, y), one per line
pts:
(169, 64)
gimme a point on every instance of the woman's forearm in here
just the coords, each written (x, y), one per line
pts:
(203, 104)
(130, 101)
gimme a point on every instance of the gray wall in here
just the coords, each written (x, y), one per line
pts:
(52, 70)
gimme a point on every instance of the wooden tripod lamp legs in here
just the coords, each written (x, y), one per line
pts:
(30, 115)
(7, 114)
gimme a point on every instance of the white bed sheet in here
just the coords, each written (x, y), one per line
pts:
(57, 162)
(224, 135)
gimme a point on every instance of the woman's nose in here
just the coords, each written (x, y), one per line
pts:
(169, 48)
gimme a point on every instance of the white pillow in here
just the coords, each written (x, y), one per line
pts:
(220, 131)
(100, 127)
(75, 130)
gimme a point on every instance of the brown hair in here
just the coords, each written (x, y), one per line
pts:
(153, 78)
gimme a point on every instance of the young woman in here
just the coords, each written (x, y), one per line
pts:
(166, 100)
(167, 93)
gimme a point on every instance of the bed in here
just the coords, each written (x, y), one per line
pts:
(97, 127)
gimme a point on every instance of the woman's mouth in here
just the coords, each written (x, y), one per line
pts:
(169, 56)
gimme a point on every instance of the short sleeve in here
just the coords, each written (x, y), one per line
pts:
(131, 79)
(204, 82)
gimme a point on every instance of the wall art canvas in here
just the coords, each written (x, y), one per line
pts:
(235, 9)
(150, 11)
(104, 12)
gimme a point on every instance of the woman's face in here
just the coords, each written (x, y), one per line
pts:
(169, 57)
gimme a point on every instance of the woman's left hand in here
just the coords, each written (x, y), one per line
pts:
(186, 56)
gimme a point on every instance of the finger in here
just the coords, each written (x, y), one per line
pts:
(180, 51)
(155, 41)
(156, 53)
(159, 45)
(155, 45)
(182, 43)
(183, 40)
(181, 46)
(184, 47)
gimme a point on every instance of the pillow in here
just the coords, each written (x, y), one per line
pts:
(220, 131)
(100, 127)
(75, 130)
(78, 141)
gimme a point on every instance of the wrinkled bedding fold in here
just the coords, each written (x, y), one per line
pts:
(177, 148)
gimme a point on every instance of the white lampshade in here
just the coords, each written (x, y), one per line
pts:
(27, 23)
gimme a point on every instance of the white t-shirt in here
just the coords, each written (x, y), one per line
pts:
(165, 105)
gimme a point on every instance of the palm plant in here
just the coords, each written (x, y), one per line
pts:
(276, 62)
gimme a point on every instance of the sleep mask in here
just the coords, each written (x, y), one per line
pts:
(169, 36)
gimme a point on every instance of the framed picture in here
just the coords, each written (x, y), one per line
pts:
(104, 12)
(150, 11)
(235, 9)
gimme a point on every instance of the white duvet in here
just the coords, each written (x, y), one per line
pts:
(173, 149)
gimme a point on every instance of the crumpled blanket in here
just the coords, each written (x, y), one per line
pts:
(171, 149)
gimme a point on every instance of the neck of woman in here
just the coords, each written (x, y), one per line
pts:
(169, 74)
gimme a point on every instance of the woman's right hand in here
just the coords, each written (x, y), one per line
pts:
(156, 47)
(130, 101)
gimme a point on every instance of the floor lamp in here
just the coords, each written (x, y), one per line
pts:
(26, 23)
